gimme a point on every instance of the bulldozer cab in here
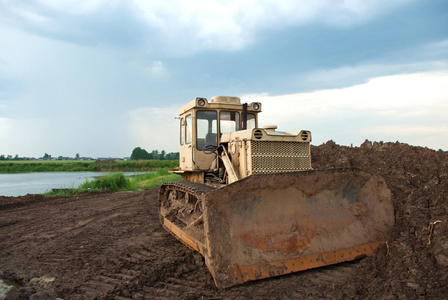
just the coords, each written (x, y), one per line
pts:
(203, 122)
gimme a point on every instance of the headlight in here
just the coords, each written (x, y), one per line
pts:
(201, 102)
(256, 106)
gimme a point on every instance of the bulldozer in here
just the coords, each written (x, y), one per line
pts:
(250, 202)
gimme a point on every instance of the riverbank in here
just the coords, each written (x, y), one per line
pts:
(82, 166)
(118, 182)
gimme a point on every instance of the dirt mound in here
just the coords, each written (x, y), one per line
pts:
(112, 246)
(417, 256)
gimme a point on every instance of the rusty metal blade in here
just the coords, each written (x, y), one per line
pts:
(269, 225)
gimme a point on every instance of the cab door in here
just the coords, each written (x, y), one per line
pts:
(205, 139)
(186, 145)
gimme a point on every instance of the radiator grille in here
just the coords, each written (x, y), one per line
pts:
(274, 156)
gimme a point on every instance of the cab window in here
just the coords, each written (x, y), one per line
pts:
(188, 129)
(182, 131)
(207, 129)
(251, 121)
(229, 121)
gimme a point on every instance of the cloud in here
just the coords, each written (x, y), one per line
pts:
(348, 75)
(86, 23)
(411, 108)
(20, 133)
(157, 67)
(439, 48)
(232, 25)
(151, 69)
(183, 26)
(154, 127)
(5, 127)
(80, 65)
(420, 131)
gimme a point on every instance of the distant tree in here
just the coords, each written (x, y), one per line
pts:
(135, 153)
(172, 156)
(47, 156)
(139, 153)
(2, 157)
(60, 157)
(154, 154)
(162, 155)
(77, 156)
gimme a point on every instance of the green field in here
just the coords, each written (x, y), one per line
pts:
(91, 165)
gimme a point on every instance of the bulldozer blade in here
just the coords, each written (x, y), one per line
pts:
(268, 225)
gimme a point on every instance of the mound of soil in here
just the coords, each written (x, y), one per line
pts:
(112, 246)
(415, 263)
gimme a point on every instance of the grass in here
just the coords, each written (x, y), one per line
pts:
(119, 182)
(111, 182)
(90, 165)
(46, 166)
(149, 180)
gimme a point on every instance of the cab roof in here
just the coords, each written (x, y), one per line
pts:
(220, 102)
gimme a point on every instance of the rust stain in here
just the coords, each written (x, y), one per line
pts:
(241, 274)
(278, 239)
(288, 221)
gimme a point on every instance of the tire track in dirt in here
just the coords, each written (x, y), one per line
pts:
(114, 247)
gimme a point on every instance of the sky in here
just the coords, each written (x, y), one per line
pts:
(100, 78)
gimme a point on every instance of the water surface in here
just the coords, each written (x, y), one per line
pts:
(40, 182)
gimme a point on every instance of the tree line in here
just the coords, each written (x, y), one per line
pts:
(45, 157)
(139, 153)
(9, 157)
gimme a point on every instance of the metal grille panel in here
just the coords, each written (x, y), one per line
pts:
(275, 156)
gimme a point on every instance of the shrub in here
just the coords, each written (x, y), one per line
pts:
(112, 182)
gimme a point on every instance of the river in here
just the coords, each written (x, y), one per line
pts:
(38, 183)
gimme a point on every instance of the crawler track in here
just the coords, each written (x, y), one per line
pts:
(181, 202)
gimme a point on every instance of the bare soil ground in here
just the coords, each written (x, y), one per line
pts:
(112, 246)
